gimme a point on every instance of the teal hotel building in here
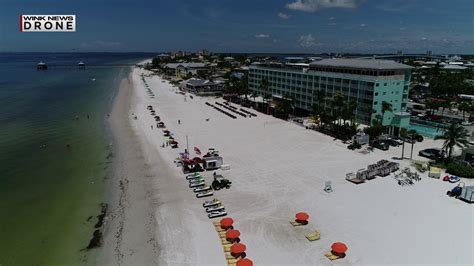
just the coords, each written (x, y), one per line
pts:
(369, 82)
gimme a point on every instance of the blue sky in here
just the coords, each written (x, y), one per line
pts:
(287, 26)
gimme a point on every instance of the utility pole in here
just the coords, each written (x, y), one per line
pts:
(187, 144)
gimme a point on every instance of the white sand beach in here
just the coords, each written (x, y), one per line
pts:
(277, 169)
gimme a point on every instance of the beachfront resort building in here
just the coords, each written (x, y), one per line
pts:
(369, 82)
(202, 86)
(181, 70)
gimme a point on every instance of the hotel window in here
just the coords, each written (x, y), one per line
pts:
(375, 103)
(376, 94)
(385, 84)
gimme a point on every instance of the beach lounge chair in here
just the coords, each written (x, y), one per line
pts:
(332, 256)
(297, 223)
(313, 236)
(328, 187)
(435, 172)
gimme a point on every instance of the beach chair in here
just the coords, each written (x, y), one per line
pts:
(296, 223)
(332, 256)
(313, 236)
(328, 187)
(227, 247)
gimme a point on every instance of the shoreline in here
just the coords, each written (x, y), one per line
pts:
(125, 239)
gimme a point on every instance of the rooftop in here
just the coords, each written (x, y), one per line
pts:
(186, 65)
(360, 63)
(199, 82)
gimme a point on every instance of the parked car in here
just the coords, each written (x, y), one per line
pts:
(418, 137)
(381, 145)
(393, 142)
(431, 153)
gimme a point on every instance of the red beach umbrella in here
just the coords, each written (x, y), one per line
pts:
(238, 248)
(339, 247)
(232, 234)
(227, 222)
(244, 262)
(302, 216)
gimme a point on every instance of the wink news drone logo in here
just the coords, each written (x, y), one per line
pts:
(48, 23)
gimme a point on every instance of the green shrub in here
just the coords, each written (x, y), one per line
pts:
(460, 170)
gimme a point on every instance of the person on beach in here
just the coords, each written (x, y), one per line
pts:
(87, 116)
(179, 122)
(151, 126)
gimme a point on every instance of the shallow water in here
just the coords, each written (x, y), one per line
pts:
(50, 194)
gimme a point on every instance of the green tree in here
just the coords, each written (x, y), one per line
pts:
(455, 135)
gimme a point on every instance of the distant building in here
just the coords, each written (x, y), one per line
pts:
(163, 56)
(368, 82)
(41, 66)
(181, 70)
(453, 68)
(204, 52)
(202, 86)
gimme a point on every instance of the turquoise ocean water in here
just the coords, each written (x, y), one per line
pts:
(50, 195)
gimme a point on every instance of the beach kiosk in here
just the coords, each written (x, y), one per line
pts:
(212, 162)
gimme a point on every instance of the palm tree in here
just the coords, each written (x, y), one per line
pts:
(464, 107)
(445, 105)
(403, 134)
(318, 104)
(338, 103)
(264, 85)
(455, 135)
(254, 95)
(285, 106)
(244, 85)
(411, 134)
(385, 107)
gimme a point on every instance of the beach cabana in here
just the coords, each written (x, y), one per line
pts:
(237, 249)
(302, 217)
(226, 223)
(232, 234)
(244, 262)
(338, 251)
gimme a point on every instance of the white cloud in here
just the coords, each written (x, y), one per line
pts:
(331, 18)
(363, 25)
(307, 41)
(262, 35)
(424, 38)
(315, 5)
(283, 16)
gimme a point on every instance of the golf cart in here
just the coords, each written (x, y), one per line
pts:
(220, 182)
